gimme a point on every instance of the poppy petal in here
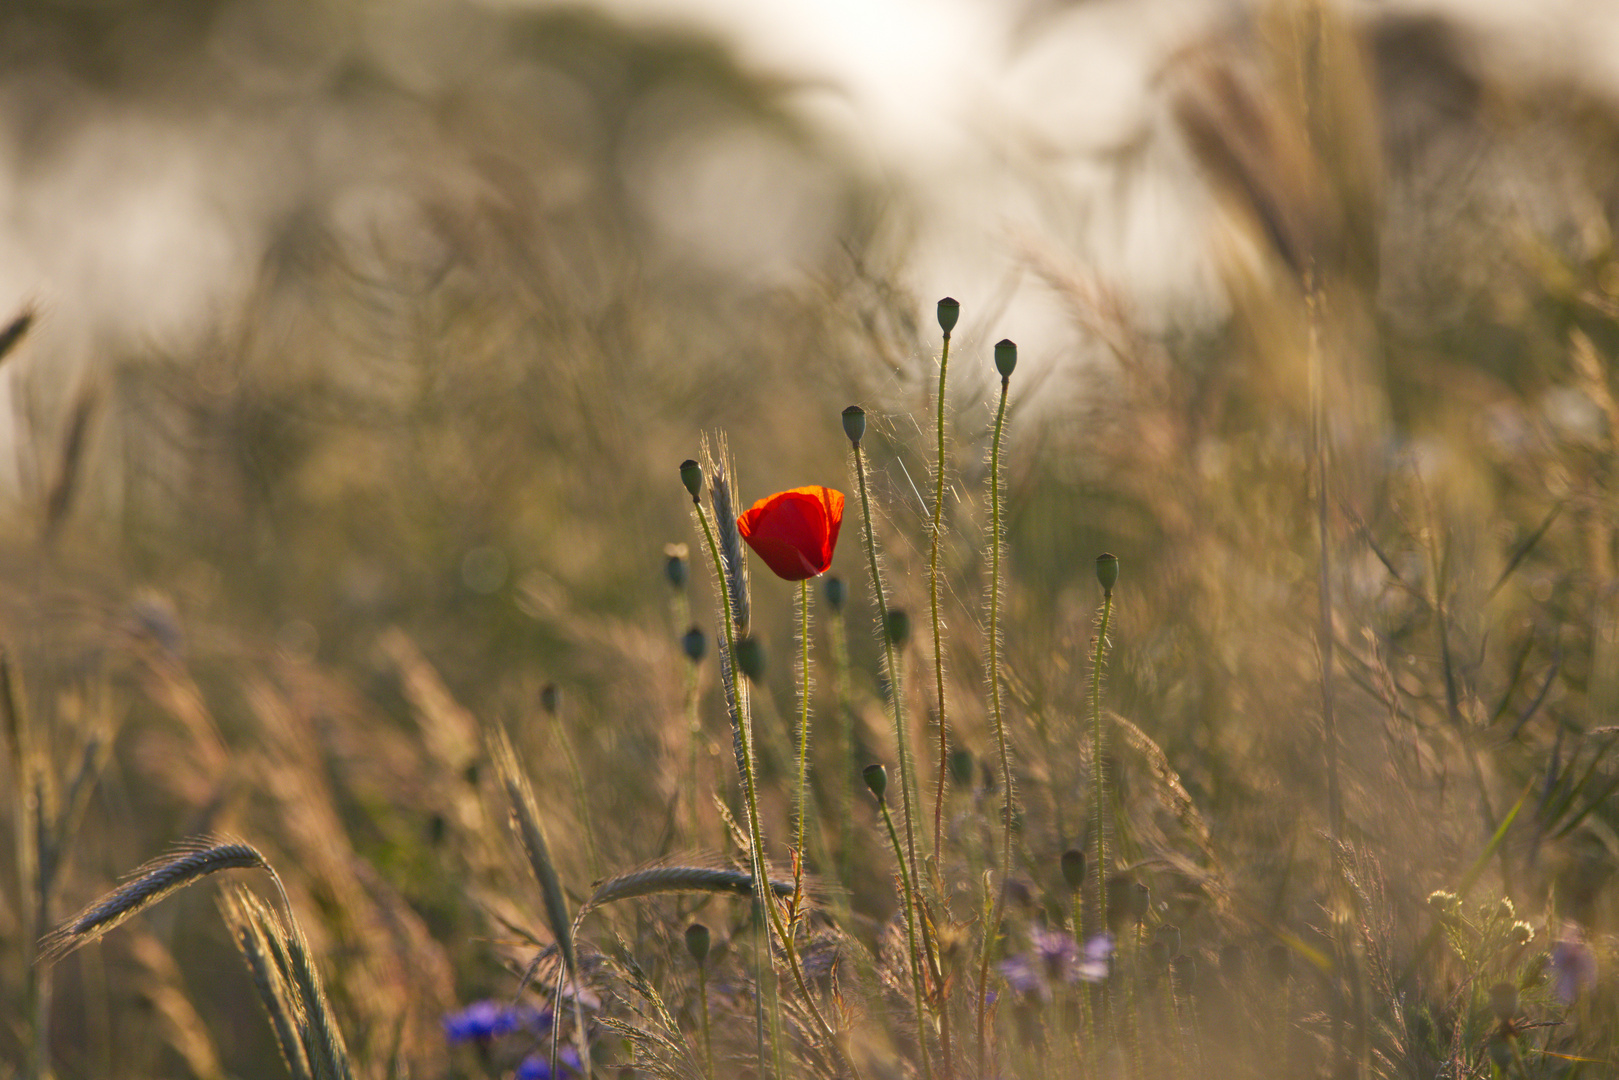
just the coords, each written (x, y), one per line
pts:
(795, 532)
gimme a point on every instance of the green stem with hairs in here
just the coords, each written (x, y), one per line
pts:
(803, 709)
(1098, 774)
(901, 740)
(993, 927)
(933, 606)
(910, 936)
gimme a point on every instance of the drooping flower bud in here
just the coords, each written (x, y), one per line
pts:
(1005, 357)
(898, 626)
(854, 423)
(750, 658)
(1107, 572)
(694, 643)
(1073, 868)
(691, 474)
(697, 942)
(877, 780)
(949, 312)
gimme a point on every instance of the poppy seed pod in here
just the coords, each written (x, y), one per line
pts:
(697, 942)
(1073, 868)
(854, 423)
(1005, 357)
(691, 474)
(750, 658)
(694, 643)
(898, 627)
(949, 312)
(674, 569)
(795, 532)
(1107, 572)
(877, 780)
(961, 767)
(836, 593)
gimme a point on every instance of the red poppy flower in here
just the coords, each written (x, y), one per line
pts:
(795, 531)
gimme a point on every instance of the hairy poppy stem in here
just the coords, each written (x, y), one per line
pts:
(803, 710)
(910, 935)
(1098, 773)
(891, 660)
(933, 605)
(993, 927)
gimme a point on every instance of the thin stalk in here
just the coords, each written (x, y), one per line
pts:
(1098, 773)
(840, 664)
(933, 606)
(910, 935)
(803, 708)
(896, 692)
(694, 737)
(993, 927)
(702, 993)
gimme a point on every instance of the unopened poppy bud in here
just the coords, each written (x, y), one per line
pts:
(694, 643)
(854, 423)
(1504, 1001)
(674, 567)
(1073, 868)
(877, 780)
(691, 474)
(697, 942)
(898, 626)
(836, 593)
(961, 767)
(550, 698)
(1107, 572)
(750, 658)
(949, 312)
(1005, 357)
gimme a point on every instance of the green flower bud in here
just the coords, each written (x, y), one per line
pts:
(694, 643)
(550, 698)
(854, 423)
(691, 474)
(961, 767)
(697, 942)
(1073, 869)
(836, 593)
(898, 627)
(674, 568)
(1005, 357)
(750, 658)
(876, 779)
(949, 312)
(1107, 572)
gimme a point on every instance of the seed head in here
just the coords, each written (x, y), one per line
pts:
(750, 658)
(836, 593)
(694, 643)
(949, 312)
(1005, 357)
(697, 942)
(898, 626)
(877, 780)
(1073, 868)
(691, 474)
(961, 767)
(854, 423)
(1107, 572)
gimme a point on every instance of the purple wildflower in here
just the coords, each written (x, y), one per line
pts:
(538, 1066)
(483, 1021)
(1574, 968)
(1053, 959)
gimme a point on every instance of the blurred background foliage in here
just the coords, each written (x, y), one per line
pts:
(474, 279)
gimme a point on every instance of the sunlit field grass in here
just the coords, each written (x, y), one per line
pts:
(389, 688)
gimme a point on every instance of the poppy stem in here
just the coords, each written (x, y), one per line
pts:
(910, 934)
(1098, 773)
(933, 605)
(993, 927)
(892, 666)
(803, 710)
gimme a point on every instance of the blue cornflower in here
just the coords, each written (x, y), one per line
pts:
(1053, 958)
(538, 1066)
(486, 1020)
(1574, 968)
